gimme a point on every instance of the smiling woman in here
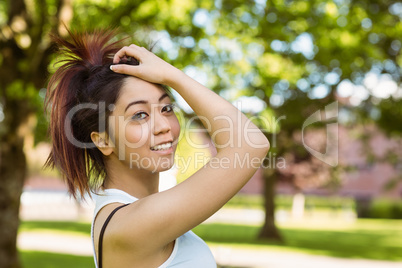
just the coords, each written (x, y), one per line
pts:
(114, 129)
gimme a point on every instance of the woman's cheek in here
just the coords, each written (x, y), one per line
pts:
(136, 136)
(175, 128)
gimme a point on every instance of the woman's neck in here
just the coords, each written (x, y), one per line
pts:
(136, 182)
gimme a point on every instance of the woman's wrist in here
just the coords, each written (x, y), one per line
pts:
(174, 77)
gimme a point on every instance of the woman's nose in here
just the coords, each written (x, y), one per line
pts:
(160, 124)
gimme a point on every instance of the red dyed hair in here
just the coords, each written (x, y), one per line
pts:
(83, 84)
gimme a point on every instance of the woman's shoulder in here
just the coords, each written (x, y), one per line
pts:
(105, 197)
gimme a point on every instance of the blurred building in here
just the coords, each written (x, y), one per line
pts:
(374, 167)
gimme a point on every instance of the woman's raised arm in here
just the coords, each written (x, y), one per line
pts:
(205, 103)
(241, 147)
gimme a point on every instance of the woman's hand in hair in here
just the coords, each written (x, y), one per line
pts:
(151, 68)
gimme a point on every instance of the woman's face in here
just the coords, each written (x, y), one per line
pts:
(144, 127)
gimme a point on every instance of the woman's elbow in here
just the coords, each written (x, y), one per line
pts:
(266, 145)
(261, 147)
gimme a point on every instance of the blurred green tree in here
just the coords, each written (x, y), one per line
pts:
(25, 55)
(299, 57)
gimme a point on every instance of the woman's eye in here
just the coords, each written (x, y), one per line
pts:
(139, 116)
(168, 108)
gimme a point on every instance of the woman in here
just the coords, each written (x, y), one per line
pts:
(114, 129)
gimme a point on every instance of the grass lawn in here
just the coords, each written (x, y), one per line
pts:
(59, 226)
(364, 238)
(367, 239)
(38, 259)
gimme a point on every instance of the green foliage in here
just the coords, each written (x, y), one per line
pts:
(246, 201)
(19, 90)
(245, 46)
(286, 201)
(249, 46)
(385, 209)
(391, 116)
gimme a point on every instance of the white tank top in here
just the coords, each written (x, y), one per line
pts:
(189, 250)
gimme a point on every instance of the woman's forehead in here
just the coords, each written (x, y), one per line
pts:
(135, 90)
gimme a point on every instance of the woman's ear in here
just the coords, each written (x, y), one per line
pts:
(102, 142)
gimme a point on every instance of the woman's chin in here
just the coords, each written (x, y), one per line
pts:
(162, 168)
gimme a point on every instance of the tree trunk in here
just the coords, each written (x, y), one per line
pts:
(269, 229)
(12, 172)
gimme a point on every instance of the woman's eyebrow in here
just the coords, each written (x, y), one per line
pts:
(145, 101)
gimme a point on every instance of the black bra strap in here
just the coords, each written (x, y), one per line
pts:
(102, 232)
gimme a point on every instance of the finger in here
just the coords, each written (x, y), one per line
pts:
(138, 47)
(121, 55)
(131, 51)
(126, 69)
